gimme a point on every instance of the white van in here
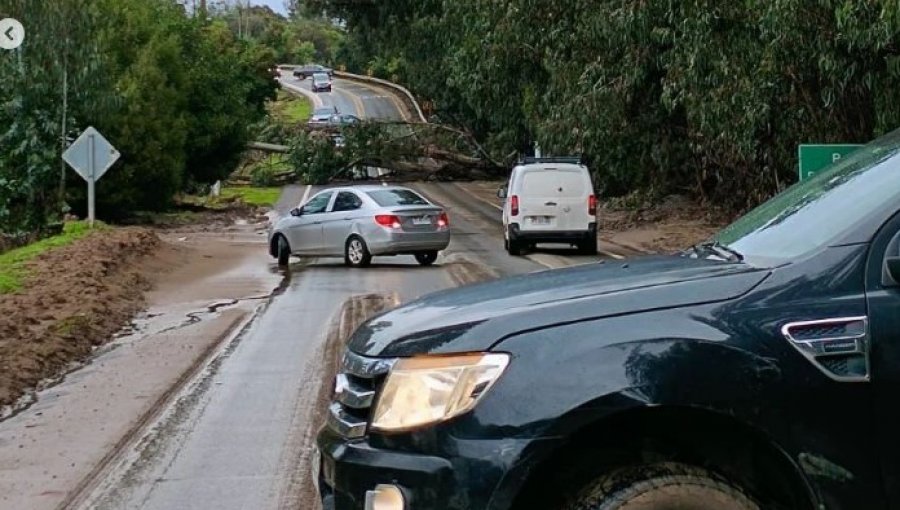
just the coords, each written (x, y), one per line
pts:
(549, 200)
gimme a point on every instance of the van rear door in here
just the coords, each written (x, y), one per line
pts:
(554, 199)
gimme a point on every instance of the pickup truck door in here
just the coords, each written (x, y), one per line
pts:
(883, 295)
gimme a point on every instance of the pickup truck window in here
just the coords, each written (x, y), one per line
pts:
(810, 214)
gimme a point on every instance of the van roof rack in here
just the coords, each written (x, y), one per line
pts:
(530, 160)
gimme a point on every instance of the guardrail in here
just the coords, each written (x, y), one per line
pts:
(405, 94)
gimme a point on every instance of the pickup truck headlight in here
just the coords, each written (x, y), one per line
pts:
(426, 390)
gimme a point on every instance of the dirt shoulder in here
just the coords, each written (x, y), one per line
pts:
(105, 331)
(73, 299)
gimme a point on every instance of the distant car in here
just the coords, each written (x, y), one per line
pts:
(343, 119)
(549, 200)
(321, 82)
(309, 70)
(358, 223)
(322, 116)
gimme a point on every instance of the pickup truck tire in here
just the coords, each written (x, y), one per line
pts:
(661, 487)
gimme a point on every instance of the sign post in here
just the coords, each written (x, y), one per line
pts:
(91, 155)
(815, 157)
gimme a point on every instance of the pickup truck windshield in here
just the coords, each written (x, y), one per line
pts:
(811, 214)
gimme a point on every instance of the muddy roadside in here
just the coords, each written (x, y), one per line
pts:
(179, 290)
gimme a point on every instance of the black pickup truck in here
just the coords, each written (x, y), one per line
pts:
(760, 370)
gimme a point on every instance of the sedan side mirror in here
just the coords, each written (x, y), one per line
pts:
(501, 193)
(297, 211)
(892, 264)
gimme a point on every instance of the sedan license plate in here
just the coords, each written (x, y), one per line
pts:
(540, 220)
(422, 220)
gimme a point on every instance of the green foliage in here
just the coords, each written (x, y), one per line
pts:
(175, 94)
(701, 96)
(258, 196)
(12, 262)
(315, 159)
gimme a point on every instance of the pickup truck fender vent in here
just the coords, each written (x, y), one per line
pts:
(838, 347)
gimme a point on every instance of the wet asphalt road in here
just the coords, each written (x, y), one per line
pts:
(240, 437)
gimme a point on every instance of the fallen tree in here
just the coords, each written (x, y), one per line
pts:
(401, 150)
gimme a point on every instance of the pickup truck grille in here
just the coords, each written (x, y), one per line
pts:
(355, 389)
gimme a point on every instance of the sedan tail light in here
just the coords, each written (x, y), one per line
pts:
(592, 205)
(443, 220)
(514, 205)
(388, 220)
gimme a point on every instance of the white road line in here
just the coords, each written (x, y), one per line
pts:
(306, 194)
(611, 254)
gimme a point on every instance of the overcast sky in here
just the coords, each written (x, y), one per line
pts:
(276, 5)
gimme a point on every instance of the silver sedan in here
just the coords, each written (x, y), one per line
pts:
(361, 222)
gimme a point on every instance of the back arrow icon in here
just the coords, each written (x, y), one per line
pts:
(12, 33)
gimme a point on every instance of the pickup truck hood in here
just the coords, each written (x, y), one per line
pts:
(475, 317)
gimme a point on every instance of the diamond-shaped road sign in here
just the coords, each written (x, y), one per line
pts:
(79, 155)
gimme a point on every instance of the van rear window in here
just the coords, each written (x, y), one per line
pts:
(558, 183)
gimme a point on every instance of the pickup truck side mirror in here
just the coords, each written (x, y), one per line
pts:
(892, 264)
(502, 192)
(297, 211)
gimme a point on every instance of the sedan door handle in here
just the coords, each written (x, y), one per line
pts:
(550, 203)
(317, 223)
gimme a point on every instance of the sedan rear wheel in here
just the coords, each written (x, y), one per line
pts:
(356, 253)
(426, 258)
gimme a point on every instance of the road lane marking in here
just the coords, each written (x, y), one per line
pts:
(398, 105)
(357, 102)
(306, 194)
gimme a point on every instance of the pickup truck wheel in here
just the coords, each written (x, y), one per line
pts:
(661, 487)
(284, 251)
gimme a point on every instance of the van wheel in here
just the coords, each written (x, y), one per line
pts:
(661, 487)
(284, 252)
(514, 247)
(589, 245)
(356, 253)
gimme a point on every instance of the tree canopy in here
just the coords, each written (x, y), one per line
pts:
(661, 96)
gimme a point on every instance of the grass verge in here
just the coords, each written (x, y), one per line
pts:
(291, 108)
(12, 263)
(263, 197)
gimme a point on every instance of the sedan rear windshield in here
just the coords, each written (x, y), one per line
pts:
(393, 197)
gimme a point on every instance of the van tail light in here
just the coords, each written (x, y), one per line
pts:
(514, 205)
(592, 205)
(388, 220)
(443, 220)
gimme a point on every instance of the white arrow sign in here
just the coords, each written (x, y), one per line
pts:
(91, 155)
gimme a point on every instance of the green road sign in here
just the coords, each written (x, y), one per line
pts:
(815, 157)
